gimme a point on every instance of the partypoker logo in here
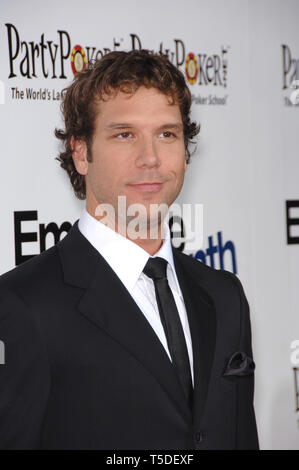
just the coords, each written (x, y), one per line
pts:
(191, 68)
(78, 60)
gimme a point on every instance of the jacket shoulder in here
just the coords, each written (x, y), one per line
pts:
(207, 274)
(29, 275)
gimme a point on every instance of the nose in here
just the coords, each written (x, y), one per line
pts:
(147, 154)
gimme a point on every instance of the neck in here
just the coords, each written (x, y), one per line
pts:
(150, 244)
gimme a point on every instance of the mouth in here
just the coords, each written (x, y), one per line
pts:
(148, 187)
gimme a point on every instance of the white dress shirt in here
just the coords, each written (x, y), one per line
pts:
(127, 260)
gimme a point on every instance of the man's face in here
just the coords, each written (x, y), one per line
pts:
(138, 139)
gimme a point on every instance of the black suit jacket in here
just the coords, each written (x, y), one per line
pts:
(85, 370)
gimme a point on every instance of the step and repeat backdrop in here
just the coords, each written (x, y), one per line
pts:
(241, 62)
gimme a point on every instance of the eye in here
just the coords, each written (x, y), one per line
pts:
(168, 134)
(123, 135)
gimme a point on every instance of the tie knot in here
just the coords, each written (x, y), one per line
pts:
(155, 268)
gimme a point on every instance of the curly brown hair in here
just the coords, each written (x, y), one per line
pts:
(117, 71)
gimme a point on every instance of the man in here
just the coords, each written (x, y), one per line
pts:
(113, 341)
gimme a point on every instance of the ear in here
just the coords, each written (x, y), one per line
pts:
(79, 154)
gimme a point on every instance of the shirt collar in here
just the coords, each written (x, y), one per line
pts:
(125, 257)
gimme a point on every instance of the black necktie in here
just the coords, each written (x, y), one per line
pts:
(156, 268)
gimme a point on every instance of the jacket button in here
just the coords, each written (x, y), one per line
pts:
(199, 436)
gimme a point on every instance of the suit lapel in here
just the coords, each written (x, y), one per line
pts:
(202, 320)
(108, 304)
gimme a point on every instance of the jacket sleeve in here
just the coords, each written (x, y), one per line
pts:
(24, 375)
(246, 431)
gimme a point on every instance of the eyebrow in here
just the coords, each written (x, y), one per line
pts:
(118, 125)
(172, 125)
(125, 125)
